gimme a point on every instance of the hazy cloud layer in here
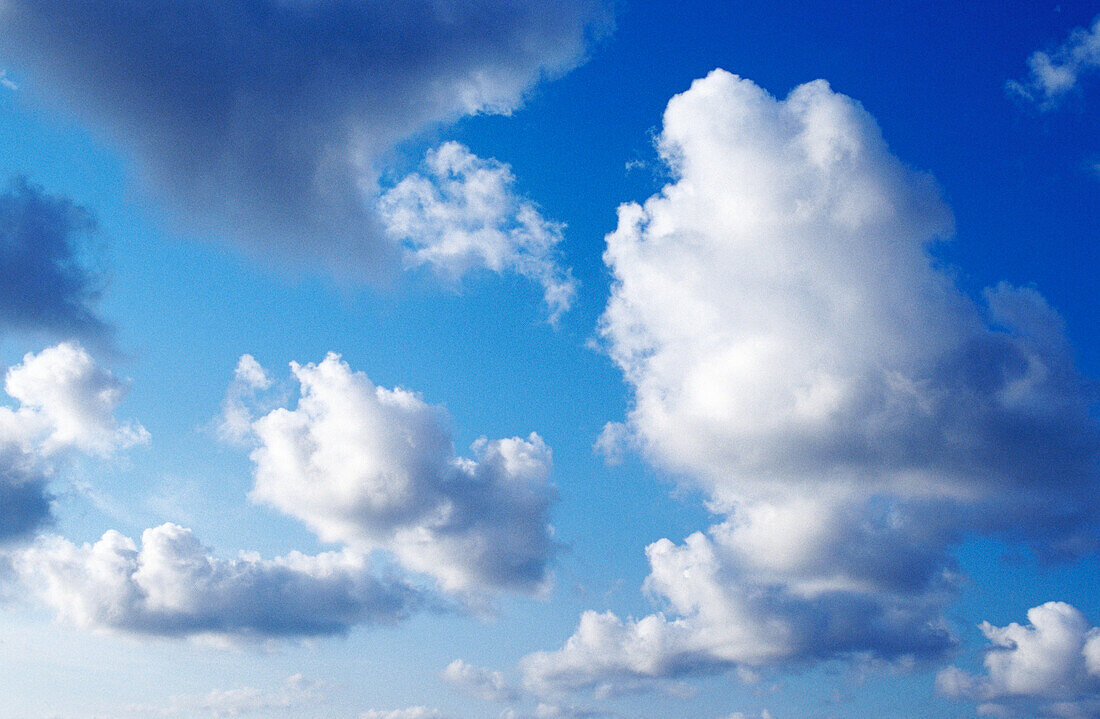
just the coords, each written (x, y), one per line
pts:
(375, 468)
(66, 405)
(267, 122)
(46, 280)
(419, 712)
(296, 691)
(1052, 75)
(172, 586)
(485, 684)
(794, 352)
(1049, 668)
(465, 214)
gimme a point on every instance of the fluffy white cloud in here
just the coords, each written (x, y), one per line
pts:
(794, 351)
(1051, 667)
(1052, 75)
(465, 214)
(375, 468)
(483, 683)
(171, 585)
(268, 122)
(66, 404)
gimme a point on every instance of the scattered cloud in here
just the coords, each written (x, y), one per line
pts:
(1053, 75)
(485, 684)
(66, 405)
(794, 352)
(1049, 668)
(46, 280)
(410, 713)
(296, 691)
(465, 214)
(267, 123)
(374, 468)
(172, 586)
(7, 82)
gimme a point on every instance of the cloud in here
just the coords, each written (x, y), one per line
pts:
(267, 123)
(1051, 667)
(46, 282)
(465, 214)
(67, 404)
(1055, 74)
(172, 586)
(795, 353)
(374, 468)
(485, 684)
(295, 691)
(418, 712)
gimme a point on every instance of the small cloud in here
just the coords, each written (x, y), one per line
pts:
(1052, 75)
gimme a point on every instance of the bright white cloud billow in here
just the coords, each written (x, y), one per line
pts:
(172, 585)
(374, 468)
(66, 405)
(795, 352)
(1049, 668)
(1052, 75)
(267, 123)
(465, 214)
(485, 684)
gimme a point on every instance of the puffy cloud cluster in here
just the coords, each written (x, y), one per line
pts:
(66, 404)
(1053, 75)
(172, 586)
(465, 214)
(267, 122)
(1051, 667)
(795, 353)
(375, 468)
(45, 279)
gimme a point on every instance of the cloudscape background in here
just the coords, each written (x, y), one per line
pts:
(464, 360)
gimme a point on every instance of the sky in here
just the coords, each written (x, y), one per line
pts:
(517, 360)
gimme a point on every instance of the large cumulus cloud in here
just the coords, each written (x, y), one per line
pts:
(266, 122)
(375, 468)
(795, 352)
(66, 405)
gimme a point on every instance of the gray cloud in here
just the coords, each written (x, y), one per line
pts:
(268, 122)
(46, 280)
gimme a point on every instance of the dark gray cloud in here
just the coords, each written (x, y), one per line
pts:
(46, 282)
(265, 122)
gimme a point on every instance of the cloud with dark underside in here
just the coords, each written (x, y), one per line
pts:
(267, 123)
(795, 352)
(46, 280)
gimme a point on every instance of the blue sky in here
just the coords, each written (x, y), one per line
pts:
(475, 360)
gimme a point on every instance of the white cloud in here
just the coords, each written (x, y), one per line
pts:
(295, 691)
(70, 400)
(1051, 667)
(268, 123)
(67, 404)
(171, 585)
(485, 684)
(375, 468)
(418, 712)
(465, 214)
(1053, 75)
(794, 351)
